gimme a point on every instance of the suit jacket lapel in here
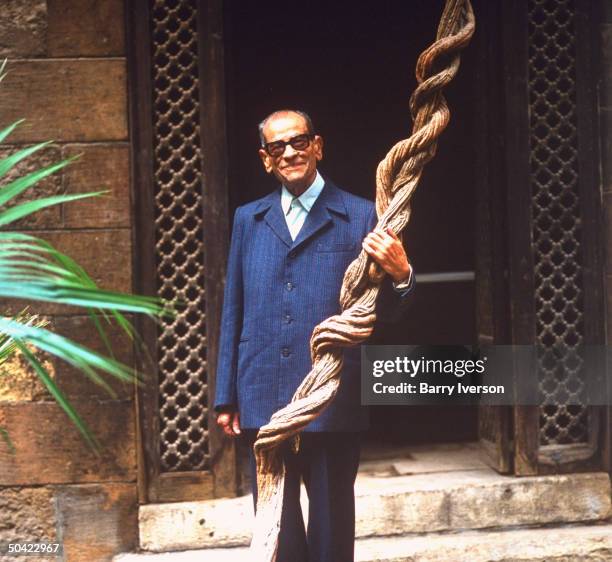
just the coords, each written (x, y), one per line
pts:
(275, 218)
(319, 216)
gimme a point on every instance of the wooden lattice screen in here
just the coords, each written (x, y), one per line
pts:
(541, 253)
(180, 201)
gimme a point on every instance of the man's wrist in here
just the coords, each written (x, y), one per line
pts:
(225, 409)
(404, 283)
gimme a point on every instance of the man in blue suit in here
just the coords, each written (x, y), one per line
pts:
(288, 254)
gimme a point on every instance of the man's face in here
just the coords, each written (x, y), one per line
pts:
(296, 169)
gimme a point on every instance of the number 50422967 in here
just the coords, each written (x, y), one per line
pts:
(31, 548)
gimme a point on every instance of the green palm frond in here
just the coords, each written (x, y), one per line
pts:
(7, 131)
(10, 161)
(32, 269)
(45, 377)
(24, 209)
(2, 67)
(73, 353)
(8, 346)
(19, 185)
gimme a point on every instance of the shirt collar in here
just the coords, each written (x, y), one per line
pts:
(307, 199)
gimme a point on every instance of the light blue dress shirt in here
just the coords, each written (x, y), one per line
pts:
(296, 210)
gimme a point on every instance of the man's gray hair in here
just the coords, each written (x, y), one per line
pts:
(303, 114)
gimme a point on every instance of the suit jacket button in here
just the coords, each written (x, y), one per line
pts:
(286, 352)
(289, 286)
(292, 254)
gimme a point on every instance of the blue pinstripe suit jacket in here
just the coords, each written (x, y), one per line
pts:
(277, 290)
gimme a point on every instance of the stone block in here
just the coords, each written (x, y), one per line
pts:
(530, 501)
(66, 100)
(104, 254)
(23, 28)
(97, 520)
(101, 167)
(47, 187)
(395, 512)
(27, 514)
(212, 523)
(50, 450)
(92, 521)
(77, 385)
(19, 383)
(85, 28)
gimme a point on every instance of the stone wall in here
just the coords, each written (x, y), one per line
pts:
(67, 78)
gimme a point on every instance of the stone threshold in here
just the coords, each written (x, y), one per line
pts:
(570, 543)
(420, 490)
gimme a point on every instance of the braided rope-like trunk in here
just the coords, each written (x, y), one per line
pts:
(397, 177)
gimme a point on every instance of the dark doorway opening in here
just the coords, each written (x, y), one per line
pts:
(351, 67)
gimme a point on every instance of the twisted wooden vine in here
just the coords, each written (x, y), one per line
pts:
(397, 177)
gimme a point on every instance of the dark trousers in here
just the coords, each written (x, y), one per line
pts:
(327, 462)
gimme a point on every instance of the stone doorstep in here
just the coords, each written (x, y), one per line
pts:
(584, 543)
(422, 503)
(398, 460)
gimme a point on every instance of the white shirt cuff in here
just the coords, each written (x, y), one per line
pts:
(403, 285)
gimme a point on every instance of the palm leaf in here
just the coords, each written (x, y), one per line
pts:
(18, 186)
(24, 209)
(80, 357)
(2, 67)
(17, 236)
(43, 273)
(7, 163)
(7, 348)
(101, 331)
(59, 397)
(33, 288)
(7, 344)
(8, 130)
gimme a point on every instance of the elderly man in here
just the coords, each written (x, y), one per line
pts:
(288, 254)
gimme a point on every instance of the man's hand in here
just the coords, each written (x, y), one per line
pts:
(388, 251)
(229, 421)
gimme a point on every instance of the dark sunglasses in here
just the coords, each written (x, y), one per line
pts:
(299, 142)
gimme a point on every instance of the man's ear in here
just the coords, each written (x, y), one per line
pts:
(266, 160)
(317, 144)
